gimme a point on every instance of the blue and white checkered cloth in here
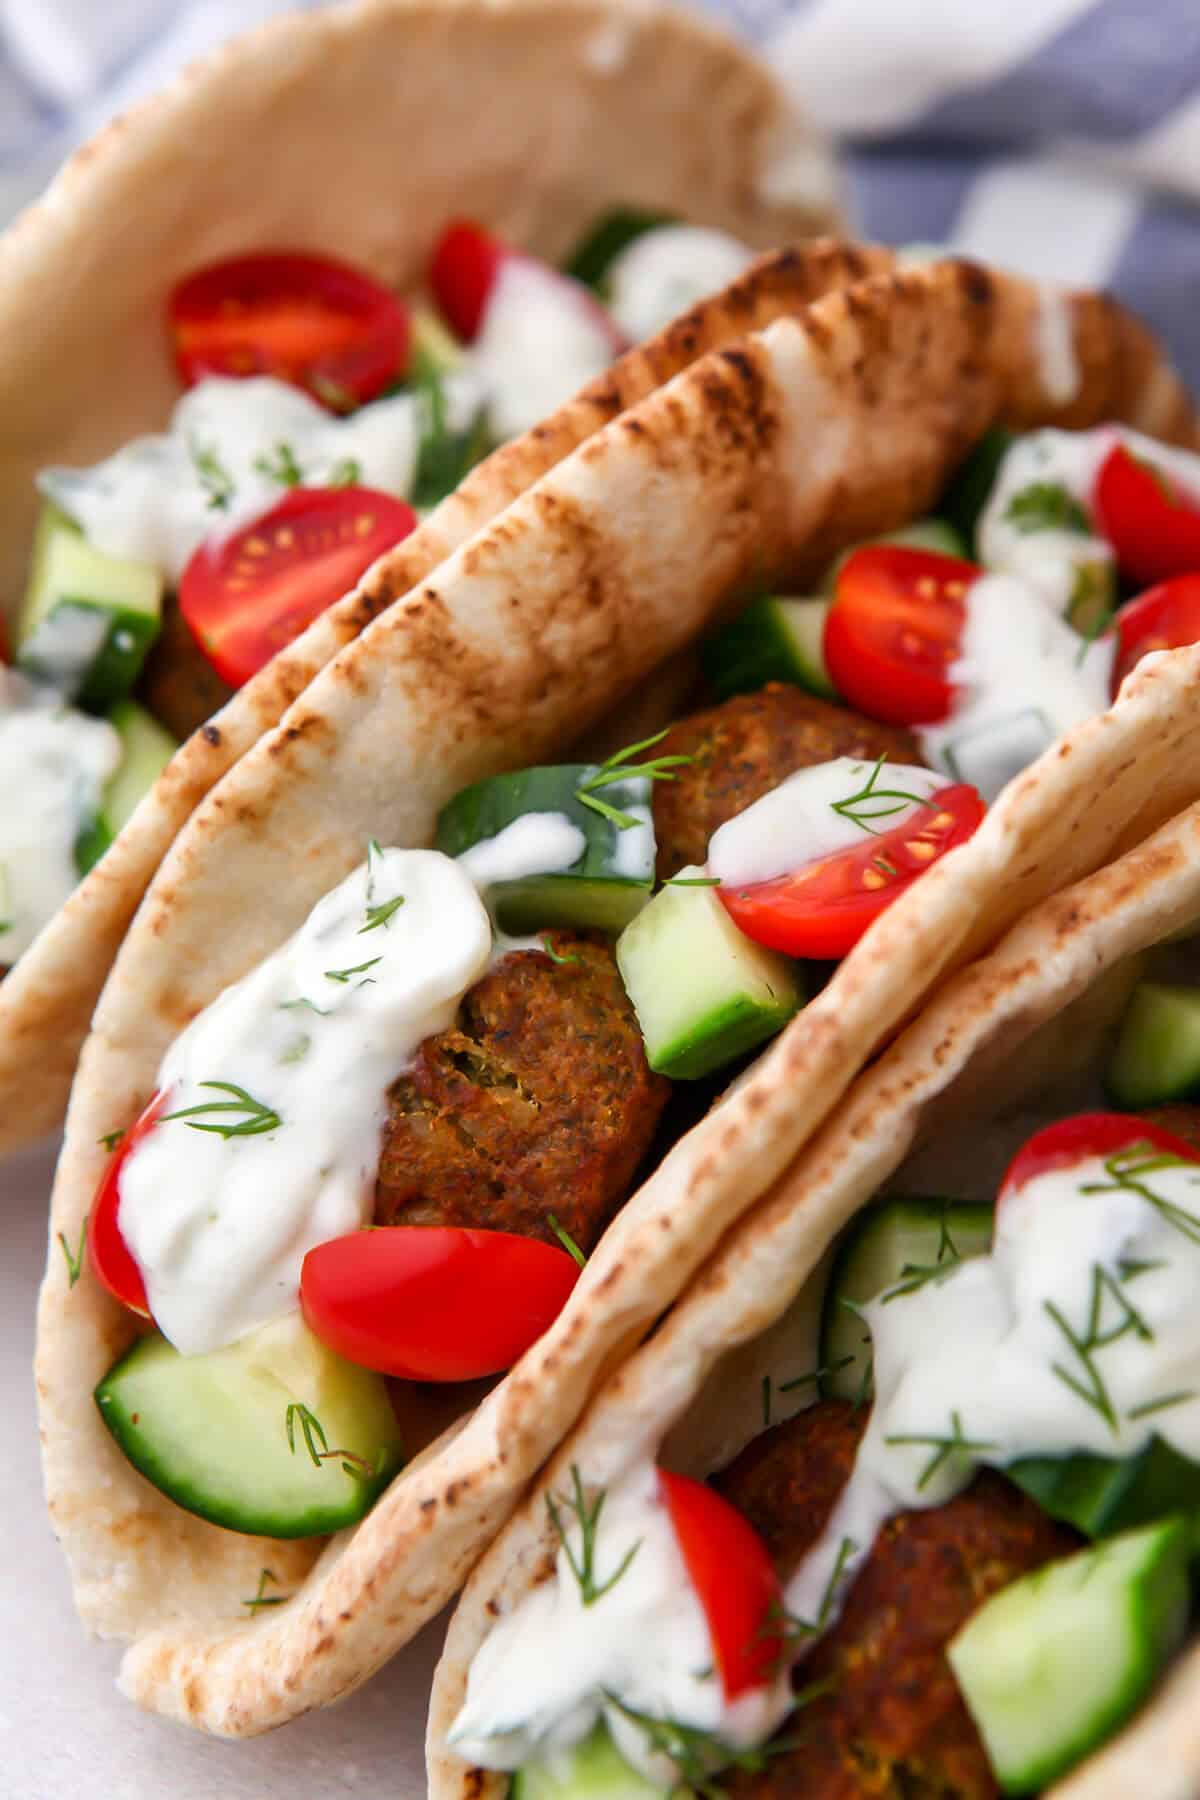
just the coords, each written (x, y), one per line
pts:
(1058, 137)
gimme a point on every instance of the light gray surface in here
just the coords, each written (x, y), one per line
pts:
(64, 1728)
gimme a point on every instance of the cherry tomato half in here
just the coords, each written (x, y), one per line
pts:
(244, 597)
(308, 320)
(1151, 523)
(1071, 1141)
(109, 1254)
(894, 629)
(434, 1302)
(732, 1573)
(1166, 617)
(823, 908)
(466, 262)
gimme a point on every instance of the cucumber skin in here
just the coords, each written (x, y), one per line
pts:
(599, 248)
(753, 650)
(1101, 1496)
(733, 1031)
(1128, 1080)
(316, 1521)
(143, 737)
(969, 491)
(1159, 1605)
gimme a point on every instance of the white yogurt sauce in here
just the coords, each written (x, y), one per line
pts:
(219, 1226)
(1022, 678)
(1054, 341)
(151, 500)
(796, 822)
(54, 766)
(534, 844)
(542, 339)
(665, 271)
(981, 1348)
(538, 1682)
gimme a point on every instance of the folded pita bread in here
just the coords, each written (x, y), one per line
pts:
(360, 130)
(695, 1385)
(766, 455)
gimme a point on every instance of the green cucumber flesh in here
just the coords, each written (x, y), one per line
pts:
(1102, 1495)
(1051, 1666)
(883, 1249)
(88, 619)
(147, 748)
(704, 993)
(1157, 1053)
(435, 343)
(938, 535)
(591, 1770)
(969, 492)
(210, 1431)
(774, 639)
(598, 250)
(609, 884)
(1093, 596)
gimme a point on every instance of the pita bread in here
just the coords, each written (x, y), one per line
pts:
(826, 426)
(938, 1073)
(360, 130)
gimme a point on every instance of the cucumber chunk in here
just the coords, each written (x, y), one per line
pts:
(434, 345)
(1157, 1054)
(773, 640)
(609, 884)
(923, 534)
(889, 1245)
(211, 1431)
(1101, 1495)
(1051, 1666)
(147, 749)
(971, 489)
(703, 992)
(596, 252)
(591, 1770)
(88, 619)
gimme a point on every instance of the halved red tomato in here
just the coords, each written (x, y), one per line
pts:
(1166, 617)
(246, 596)
(894, 629)
(1074, 1140)
(308, 320)
(466, 262)
(1151, 523)
(112, 1263)
(434, 1302)
(823, 908)
(733, 1575)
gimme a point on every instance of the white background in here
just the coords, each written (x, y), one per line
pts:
(64, 1728)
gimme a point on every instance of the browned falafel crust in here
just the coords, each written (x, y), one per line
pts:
(893, 1725)
(742, 749)
(538, 1100)
(1179, 1116)
(178, 684)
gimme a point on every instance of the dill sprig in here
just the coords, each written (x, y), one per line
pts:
(583, 1567)
(698, 1754)
(952, 1443)
(309, 1006)
(790, 1627)
(916, 1275)
(1146, 1407)
(868, 797)
(619, 767)
(1091, 1386)
(345, 473)
(344, 975)
(816, 1375)
(262, 1598)
(213, 476)
(317, 1444)
(1127, 1172)
(381, 914)
(111, 1139)
(554, 955)
(75, 1259)
(563, 1235)
(257, 1120)
(280, 466)
(1047, 506)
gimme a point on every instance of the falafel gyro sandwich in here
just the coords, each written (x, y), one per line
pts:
(900, 1499)
(375, 1163)
(314, 342)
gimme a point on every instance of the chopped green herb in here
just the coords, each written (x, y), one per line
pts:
(262, 1598)
(1047, 506)
(584, 1567)
(566, 1240)
(698, 1755)
(214, 477)
(1161, 1404)
(618, 767)
(75, 1258)
(308, 1005)
(1091, 1387)
(915, 1275)
(345, 974)
(954, 1443)
(381, 914)
(346, 473)
(111, 1139)
(815, 1375)
(553, 954)
(863, 807)
(1128, 1170)
(258, 1118)
(281, 466)
(317, 1445)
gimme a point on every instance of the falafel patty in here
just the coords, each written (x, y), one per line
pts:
(1182, 1117)
(538, 1100)
(742, 749)
(178, 684)
(893, 1725)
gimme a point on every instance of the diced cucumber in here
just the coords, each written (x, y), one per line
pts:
(923, 534)
(1157, 1054)
(772, 640)
(1053, 1665)
(891, 1244)
(702, 991)
(596, 252)
(996, 752)
(1093, 596)
(212, 1431)
(591, 1770)
(1100, 1495)
(609, 884)
(147, 749)
(434, 343)
(971, 489)
(87, 619)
